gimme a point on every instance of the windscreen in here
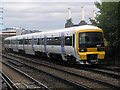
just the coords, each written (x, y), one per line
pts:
(90, 39)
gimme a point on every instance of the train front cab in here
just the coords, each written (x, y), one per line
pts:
(90, 46)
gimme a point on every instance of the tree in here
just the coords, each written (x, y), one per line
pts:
(108, 20)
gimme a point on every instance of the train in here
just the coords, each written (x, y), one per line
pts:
(81, 44)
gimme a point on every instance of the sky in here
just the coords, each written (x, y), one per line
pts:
(45, 14)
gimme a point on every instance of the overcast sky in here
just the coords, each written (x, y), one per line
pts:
(44, 15)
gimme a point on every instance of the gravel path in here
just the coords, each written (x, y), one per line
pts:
(21, 81)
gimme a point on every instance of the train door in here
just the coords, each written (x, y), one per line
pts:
(28, 45)
(11, 45)
(63, 52)
(74, 45)
(23, 44)
(31, 45)
(40, 43)
(35, 44)
(17, 44)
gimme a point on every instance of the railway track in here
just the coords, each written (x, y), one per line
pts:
(7, 80)
(71, 74)
(69, 83)
(109, 70)
(103, 71)
(108, 73)
(19, 80)
(112, 68)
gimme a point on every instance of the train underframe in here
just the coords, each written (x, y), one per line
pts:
(91, 58)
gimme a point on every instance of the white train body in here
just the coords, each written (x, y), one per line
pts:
(62, 44)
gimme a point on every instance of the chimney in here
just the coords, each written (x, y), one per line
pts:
(69, 14)
(69, 20)
(82, 13)
(94, 14)
(82, 22)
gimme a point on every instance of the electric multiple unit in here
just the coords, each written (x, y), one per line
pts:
(81, 44)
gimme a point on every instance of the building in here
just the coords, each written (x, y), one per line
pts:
(69, 20)
(14, 31)
(1, 19)
(1, 25)
(28, 31)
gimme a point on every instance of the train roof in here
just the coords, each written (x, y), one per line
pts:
(72, 29)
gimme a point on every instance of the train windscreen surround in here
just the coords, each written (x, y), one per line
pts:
(91, 39)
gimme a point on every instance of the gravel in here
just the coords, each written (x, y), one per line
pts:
(17, 78)
(74, 78)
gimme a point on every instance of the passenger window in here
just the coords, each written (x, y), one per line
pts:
(68, 40)
(53, 41)
(42, 41)
(35, 41)
(38, 42)
(26, 41)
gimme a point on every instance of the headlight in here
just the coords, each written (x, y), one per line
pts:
(100, 49)
(82, 50)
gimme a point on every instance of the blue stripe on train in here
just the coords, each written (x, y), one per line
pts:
(45, 43)
(33, 43)
(62, 43)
